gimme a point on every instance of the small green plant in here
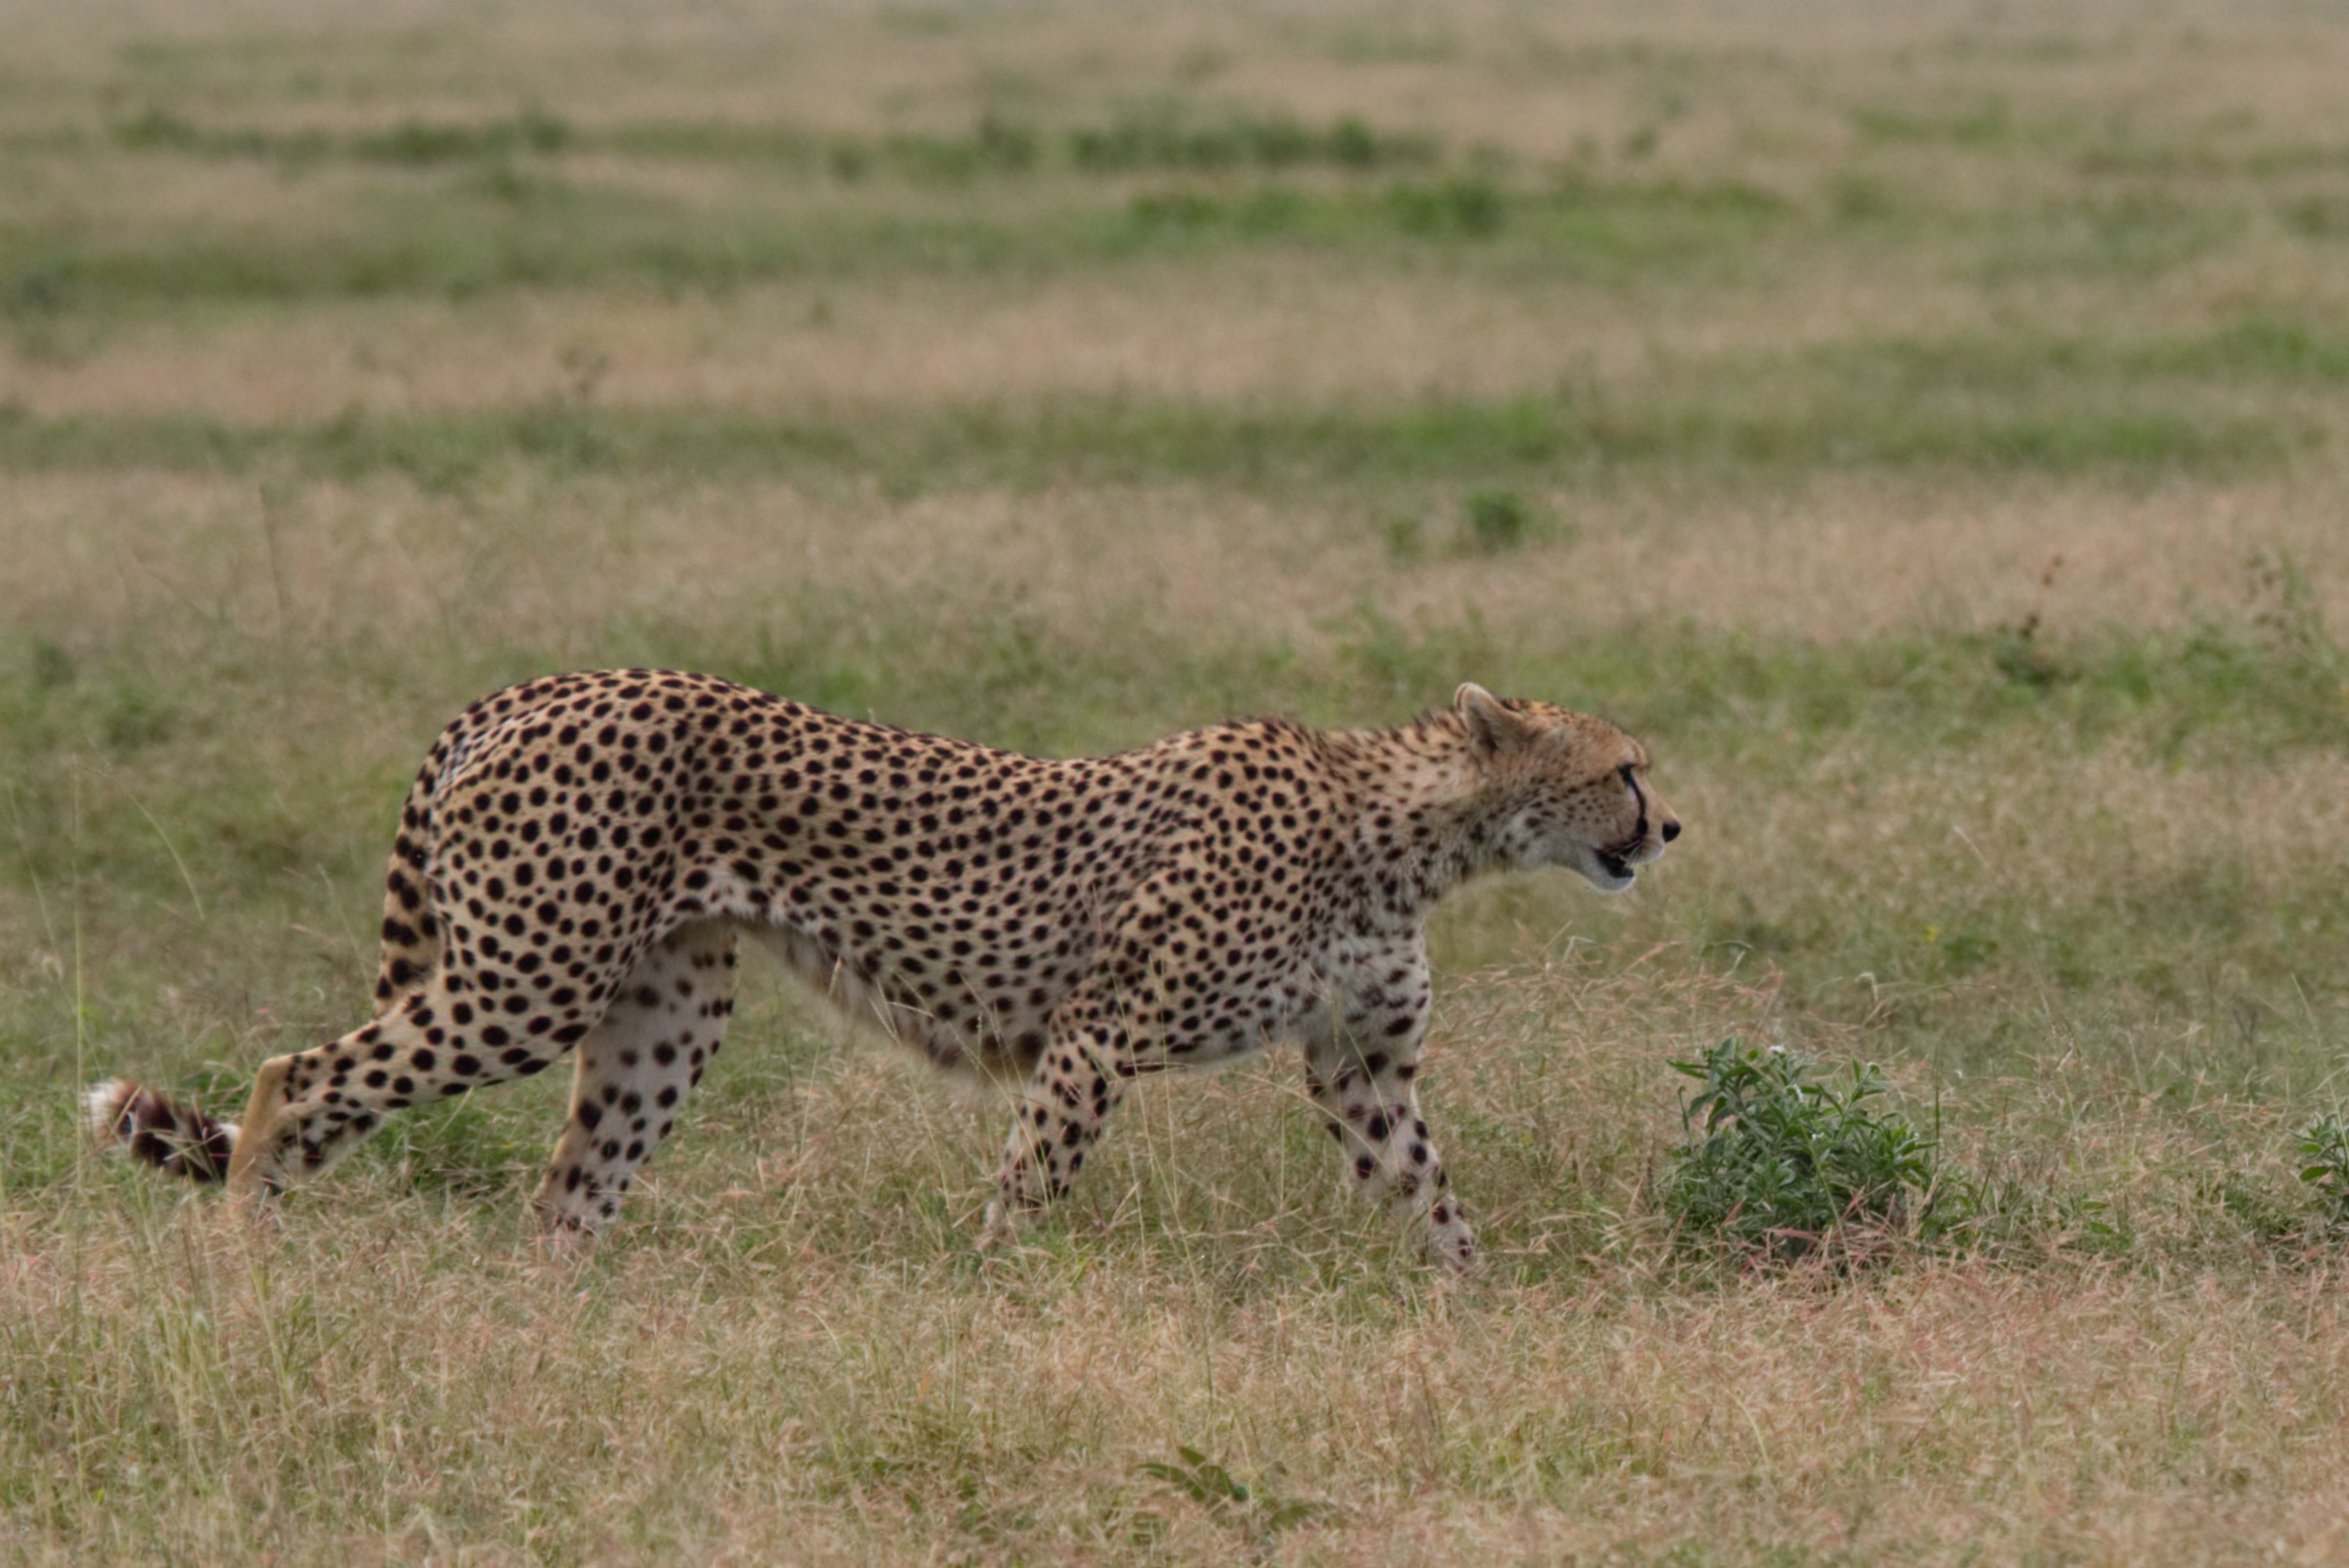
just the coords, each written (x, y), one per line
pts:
(1783, 1162)
(1463, 207)
(2289, 617)
(2323, 1149)
(1498, 520)
(418, 141)
(1222, 1495)
(2023, 659)
(1402, 537)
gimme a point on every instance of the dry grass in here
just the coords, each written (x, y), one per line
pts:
(1250, 327)
(1842, 558)
(773, 1364)
(778, 1363)
(1926, 427)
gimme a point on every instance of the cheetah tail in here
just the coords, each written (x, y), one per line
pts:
(160, 1132)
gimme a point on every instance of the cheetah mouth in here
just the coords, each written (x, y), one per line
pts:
(1618, 866)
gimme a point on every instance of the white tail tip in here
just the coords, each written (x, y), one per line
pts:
(105, 1108)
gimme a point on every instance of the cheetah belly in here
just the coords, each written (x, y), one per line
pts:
(1005, 1043)
(1249, 1011)
(1002, 1034)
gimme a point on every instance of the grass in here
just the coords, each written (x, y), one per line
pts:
(499, 224)
(993, 146)
(1926, 433)
(1997, 405)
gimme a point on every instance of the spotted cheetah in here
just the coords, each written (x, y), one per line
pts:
(578, 854)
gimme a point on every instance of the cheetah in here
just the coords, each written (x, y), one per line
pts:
(579, 853)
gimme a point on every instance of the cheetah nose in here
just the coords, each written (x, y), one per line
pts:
(1672, 830)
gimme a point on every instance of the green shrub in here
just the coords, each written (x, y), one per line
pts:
(1782, 1162)
(2323, 1149)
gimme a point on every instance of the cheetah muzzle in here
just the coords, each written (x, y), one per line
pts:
(578, 854)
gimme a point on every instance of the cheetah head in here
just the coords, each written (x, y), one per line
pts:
(1567, 789)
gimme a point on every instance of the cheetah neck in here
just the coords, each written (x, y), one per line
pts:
(1425, 815)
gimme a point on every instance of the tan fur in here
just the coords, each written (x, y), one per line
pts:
(264, 1110)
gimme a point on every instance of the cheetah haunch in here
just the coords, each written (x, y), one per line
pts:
(578, 854)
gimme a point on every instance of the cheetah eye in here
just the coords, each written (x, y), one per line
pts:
(1624, 773)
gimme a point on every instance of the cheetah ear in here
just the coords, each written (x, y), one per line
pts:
(1492, 728)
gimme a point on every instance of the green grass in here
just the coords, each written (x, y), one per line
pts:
(994, 146)
(478, 225)
(2001, 405)
(490, 225)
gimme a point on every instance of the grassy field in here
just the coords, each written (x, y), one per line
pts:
(1927, 427)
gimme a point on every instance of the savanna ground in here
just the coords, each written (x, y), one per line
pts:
(1928, 426)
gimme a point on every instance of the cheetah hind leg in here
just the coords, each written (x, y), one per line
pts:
(1080, 1080)
(635, 1069)
(311, 1108)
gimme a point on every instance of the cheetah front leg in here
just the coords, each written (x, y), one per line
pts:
(1361, 1059)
